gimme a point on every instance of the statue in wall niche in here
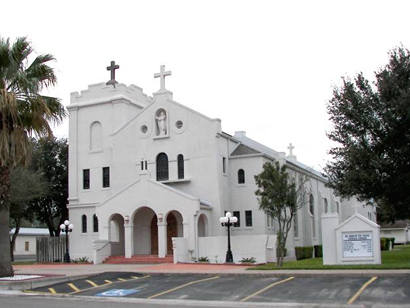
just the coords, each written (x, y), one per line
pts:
(161, 122)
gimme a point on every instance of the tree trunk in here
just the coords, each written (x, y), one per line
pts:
(5, 262)
(13, 239)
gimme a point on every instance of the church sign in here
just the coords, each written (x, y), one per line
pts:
(357, 244)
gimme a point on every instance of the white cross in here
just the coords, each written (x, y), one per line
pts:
(291, 147)
(162, 74)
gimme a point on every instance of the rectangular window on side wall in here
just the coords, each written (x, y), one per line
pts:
(237, 214)
(86, 178)
(106, 176)
(248, 218)
(26, 246)
(224, 165)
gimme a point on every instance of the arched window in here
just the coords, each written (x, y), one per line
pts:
(311, 205)
(326, 205)
(162, 167)
(180, 166)
(84, 224)
(95, 223)
(96, 136)
(241, 176)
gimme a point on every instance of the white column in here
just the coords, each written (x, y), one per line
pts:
(128, 240)
(162, 239)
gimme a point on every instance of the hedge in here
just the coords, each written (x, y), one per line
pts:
(318, 251)
(385, 243)
(305, 252)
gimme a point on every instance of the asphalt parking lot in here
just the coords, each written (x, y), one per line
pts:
(243, 288)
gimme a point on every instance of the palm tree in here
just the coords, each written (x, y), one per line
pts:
(24, 113)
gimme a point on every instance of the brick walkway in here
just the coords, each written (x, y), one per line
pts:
(84, 269)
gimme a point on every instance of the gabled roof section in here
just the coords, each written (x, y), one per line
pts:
(150, 182)
(256, 146)
(360, 217)
(304, 167)
(244, 150)
(272, 154)
(147, 108)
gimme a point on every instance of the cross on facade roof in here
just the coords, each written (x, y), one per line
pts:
(112, 68)
(162, 74)
(291, 147)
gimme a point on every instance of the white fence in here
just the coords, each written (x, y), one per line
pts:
(260, 247)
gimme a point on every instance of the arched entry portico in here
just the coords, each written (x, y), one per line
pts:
(174, 228)
(116, 235)
(145, 232)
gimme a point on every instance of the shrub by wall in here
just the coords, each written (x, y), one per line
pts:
(305, 252)
(318, 251)
(386, 243)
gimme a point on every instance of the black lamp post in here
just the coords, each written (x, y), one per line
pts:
(227, 221)
(66, 227)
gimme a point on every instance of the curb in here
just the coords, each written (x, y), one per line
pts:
(38, 282)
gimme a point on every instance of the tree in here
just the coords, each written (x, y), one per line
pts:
(371, 159)
(23, 112)
(280, 196)
(25, 186)
(50, 158)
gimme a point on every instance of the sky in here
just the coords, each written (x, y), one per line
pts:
(264, 67)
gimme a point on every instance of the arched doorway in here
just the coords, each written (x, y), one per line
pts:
(145, 240)
(174, 229)
(202, 225)
(116, 235)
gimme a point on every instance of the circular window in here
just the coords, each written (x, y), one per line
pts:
(144, 129)
(179, 124)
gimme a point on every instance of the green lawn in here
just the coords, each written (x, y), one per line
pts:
(398, 258)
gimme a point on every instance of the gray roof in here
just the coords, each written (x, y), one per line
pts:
(398, 224)
(258, 147)
(31, 231)
(243, 150)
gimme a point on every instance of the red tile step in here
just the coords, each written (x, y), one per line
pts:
(139, 259)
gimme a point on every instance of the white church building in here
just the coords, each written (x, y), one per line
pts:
(150, 176)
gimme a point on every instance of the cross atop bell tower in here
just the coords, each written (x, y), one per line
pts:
(112, 68)
(291, 156)
(291, 147)
(162, 74)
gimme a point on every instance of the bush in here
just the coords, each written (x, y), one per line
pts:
(305, 252)
(248, 260)
(392, 242)
(81, 260)
(203, 259)
(384, 243)
(318, 251)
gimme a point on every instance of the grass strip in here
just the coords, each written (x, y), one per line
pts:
(398, 258)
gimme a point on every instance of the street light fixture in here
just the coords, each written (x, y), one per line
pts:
(66, 227)
(227, 221)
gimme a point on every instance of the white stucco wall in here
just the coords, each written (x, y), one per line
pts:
(20, 245)
(122, 114)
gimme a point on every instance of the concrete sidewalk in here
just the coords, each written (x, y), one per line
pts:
(54, 273)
